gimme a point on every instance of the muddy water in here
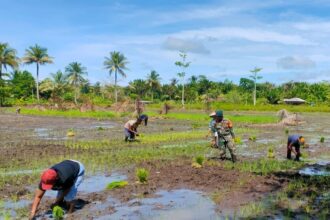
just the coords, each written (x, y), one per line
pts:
(177, 204)
(320, 169)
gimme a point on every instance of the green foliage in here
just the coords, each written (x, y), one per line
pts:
(200, 160)
(286, 131)
(142, 175)
(263, 166)
(238, 140)
(58, 213)
(22, 84)
(117, 184)
(322, 139)
(253, 138)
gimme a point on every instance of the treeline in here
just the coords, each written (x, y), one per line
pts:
(71, 85)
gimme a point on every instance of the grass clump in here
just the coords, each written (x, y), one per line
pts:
(253, 138)
(238, 140)
(58, 213)
(117, 184)
(286, 131)
(142, 175)
(270, 153)
(200, 160)
(70, 133)
(322, 139)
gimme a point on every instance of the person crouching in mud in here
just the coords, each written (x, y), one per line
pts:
(130, 127)
(294, 143)
(64, 177)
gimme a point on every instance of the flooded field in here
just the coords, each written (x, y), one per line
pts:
(254, 187)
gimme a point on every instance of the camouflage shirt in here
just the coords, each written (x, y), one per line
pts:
(225, 128)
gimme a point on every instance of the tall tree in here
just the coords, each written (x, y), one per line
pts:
(38, 55)
(22, 84)
(153, 82)
(116, 63)
(255, 77)
(75, 72)
(183, 64)
(7, 58)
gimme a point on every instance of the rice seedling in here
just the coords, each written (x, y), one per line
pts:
(286, 131)
(253, 138)
(70, 133)
(238, 140)
(58, 213)
(322, 139)
(117, 184)
(142, 175)
(100, 128)
(200, 160)
(270, 153)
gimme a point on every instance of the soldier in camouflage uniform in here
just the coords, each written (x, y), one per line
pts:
(224, 128)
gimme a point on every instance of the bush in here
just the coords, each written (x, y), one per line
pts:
(142, 175)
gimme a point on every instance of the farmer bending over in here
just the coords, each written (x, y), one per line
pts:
(294, 142)
(64, 177)
(130, 127)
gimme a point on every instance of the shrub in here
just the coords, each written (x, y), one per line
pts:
(142, 175)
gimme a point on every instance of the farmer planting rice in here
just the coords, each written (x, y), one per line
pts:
(294, 142)
(224, 134)
(64, 177)
(130, 127)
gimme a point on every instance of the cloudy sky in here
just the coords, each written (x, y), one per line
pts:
(223, 39)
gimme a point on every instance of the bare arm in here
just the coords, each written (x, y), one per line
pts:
(37, 198)
(291, 148)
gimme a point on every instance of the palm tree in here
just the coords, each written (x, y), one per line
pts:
(75, 72)
(116, 63)
(153, 82)
(7, 58)
(182, 64)
(255, 77)
(38, 55)
(56, 84)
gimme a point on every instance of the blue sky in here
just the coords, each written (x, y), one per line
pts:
(223, 39)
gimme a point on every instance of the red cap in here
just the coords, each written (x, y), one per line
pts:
(48, 179)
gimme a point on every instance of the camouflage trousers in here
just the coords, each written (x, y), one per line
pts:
(227, 142)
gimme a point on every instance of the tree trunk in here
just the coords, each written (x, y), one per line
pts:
(182, 101)
(116, 94)
(37, 82)
(255, 91)
(75, 95)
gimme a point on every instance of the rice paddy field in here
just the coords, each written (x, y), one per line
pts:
(171, 171)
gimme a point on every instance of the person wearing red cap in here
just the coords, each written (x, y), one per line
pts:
(64, 177)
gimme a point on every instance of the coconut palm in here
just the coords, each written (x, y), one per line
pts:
(116, 63)
(56, 84)
(75, 72)
(7, 58)
(153, 82)
(38, 55)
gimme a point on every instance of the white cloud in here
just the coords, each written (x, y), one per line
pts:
(295, 62)
(177, 44)
(255, 35)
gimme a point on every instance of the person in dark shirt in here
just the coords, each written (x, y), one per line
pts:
(64, 177)
(294, 143)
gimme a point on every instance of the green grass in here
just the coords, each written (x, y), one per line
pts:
(142, 175)
(203, 117)
(264, 166)
(70, 113)
(117, 184)
(200, 160)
